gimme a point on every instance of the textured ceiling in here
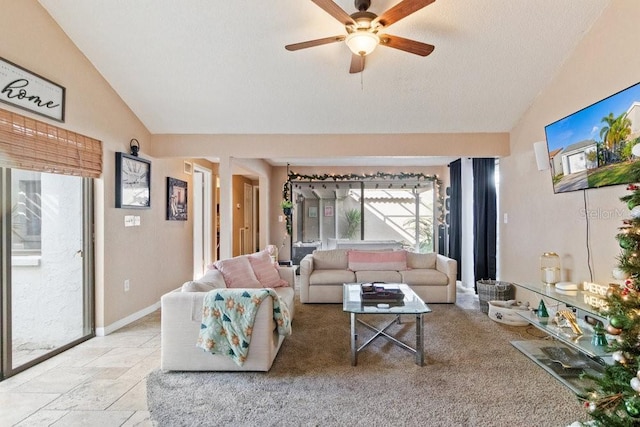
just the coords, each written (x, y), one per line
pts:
(218, 67)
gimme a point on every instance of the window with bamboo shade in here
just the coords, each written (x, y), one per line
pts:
(30, 144)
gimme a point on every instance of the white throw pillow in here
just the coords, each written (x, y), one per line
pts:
(214, 278)
(195, 286)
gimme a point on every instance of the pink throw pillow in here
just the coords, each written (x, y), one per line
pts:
(265, 271)
(237, 273)
(377, 261)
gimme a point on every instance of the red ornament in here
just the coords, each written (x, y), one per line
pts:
(632, 187)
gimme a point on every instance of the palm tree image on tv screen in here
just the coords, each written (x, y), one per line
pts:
(594, 147)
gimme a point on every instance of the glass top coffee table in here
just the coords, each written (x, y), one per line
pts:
(411, 304)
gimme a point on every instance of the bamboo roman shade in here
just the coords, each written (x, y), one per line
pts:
(34, 145)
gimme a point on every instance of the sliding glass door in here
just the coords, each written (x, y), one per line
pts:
(47, 257)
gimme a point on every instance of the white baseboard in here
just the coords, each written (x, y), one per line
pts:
(100, 332)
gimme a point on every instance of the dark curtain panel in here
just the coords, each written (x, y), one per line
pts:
(455, 213)
(484, 219)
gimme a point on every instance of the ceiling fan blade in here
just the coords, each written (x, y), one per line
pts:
(336, 11)
(411, 46)
(357, 64)
(401, 10)
(312, 43)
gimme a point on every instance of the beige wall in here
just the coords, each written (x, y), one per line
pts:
(155, 257)
(603, 63)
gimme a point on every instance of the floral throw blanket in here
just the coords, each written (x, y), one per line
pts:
(228, 316)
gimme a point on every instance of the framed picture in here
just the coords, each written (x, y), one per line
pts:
(328, 211)
(29, 91)
(133, 182)
(176, 200)
(313, 212)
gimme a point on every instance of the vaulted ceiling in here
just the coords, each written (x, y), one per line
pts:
(220, 67)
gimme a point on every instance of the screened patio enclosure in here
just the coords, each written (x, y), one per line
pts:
(393, 213)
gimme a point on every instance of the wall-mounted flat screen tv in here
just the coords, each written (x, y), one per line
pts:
(594, 146)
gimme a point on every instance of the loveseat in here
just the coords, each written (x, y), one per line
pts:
(432, 276)
(182, 315)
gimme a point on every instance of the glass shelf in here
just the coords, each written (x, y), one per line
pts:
(569, 377)
(566, 335)
(595, 357)
(584, 301)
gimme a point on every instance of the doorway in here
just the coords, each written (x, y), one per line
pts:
(202, 219)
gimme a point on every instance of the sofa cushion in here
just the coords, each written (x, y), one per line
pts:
(425, 276)
(195, 286)
(416, 260)
(266, 273)
(238, 273)
(212, 279)
(389, 276)
(331, 277)
(332, 259)
(377, 261)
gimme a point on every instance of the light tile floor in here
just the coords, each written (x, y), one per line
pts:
(100, 382)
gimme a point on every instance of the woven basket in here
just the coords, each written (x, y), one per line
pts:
(493, 290)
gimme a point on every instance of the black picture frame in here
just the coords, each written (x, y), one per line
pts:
(133, 182)
(177, 199)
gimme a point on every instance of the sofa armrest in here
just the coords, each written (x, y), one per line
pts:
(447, 266)
(288, 274)
(306, 268)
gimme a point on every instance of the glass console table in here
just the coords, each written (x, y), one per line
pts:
(579, 353)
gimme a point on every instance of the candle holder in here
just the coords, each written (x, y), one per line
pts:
(550, 268)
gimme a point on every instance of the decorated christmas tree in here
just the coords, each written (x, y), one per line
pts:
(615, 401)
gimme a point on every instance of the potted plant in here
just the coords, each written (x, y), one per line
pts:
(286, 206)
(353, 217)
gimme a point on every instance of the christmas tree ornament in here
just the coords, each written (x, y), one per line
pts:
(635, 384)
(617, 322)
(632, 405)
(618, 357)
(613, 331)
(626, 242)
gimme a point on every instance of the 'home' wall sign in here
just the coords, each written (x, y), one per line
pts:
(29, 91)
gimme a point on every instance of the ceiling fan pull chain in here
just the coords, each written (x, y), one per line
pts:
(361, 75)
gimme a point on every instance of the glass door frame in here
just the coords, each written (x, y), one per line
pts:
(88, 318)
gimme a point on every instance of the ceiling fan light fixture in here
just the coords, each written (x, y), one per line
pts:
(362, 42)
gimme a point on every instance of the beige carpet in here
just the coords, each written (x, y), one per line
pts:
(472, 377)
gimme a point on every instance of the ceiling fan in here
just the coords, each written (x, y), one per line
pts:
(364, 30)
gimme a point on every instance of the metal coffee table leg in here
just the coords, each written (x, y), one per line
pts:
(419, 340)
(354, 341)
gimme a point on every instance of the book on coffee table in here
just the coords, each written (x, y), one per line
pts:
(376, 292)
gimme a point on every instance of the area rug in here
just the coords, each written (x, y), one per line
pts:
(472, 376)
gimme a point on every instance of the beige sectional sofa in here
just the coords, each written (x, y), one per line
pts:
(432, 276)
(181, 320)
